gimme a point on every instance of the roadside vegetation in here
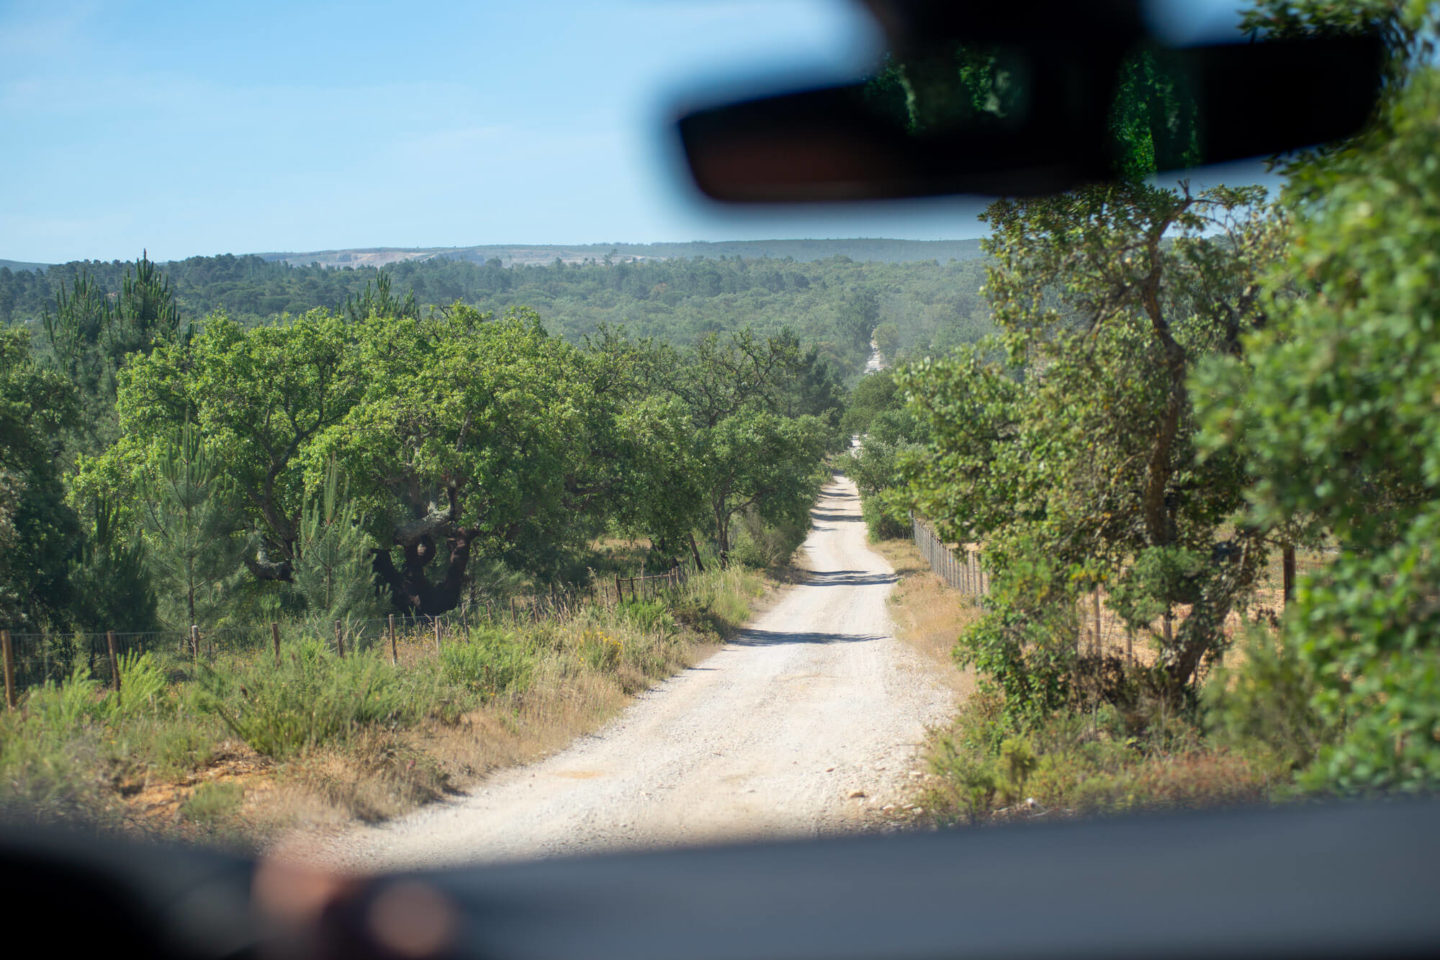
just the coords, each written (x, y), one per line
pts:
(196, 485)
(1201, 420)
(1207, 420)
(240, 747)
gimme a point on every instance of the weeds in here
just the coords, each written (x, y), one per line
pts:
(213, 803)
(1091, 762)
(1116, 744)
(344, 737)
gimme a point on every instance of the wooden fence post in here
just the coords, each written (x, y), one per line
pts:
(1287, 575)
(9, 669)
(194, 643)
(619, 591)
(390, 624)
(114, 660)
(275, 638)
(339, 638)
(1097, 622)
(437, 634)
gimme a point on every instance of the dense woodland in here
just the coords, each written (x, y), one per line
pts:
(834, 304)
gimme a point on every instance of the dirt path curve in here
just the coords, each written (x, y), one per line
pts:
(770, 736)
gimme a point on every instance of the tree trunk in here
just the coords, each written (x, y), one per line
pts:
(722, 535)
(1202, 630)
(695, 552)
(1287, 567)
(410, 587)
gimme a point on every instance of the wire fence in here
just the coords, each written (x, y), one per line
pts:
(959, 567)
(34, 658)
(1100, 631)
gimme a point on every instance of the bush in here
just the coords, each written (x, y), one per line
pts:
(143, 686)
(314, 697)
(213, 803)
(762, 545)
(882, 520)
(648, 616)
(489, 664)
(1072, 762)
(600, 650)
(1269, 701)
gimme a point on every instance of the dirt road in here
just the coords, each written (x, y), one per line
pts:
(777, 734)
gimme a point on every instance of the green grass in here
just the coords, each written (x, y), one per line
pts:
(1077, 763)
(75, 751)
(213, 804)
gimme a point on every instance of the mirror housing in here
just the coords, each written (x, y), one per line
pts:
(833, 144)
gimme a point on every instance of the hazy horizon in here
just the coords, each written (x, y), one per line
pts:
(189, 129)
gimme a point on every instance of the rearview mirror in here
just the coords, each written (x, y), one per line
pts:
(1017, 119)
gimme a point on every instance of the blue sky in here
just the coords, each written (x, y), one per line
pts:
(201, 128)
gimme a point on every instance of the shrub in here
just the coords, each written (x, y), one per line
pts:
(600, 650)
(213, 803)
(313, 697)
(882, 520)
(1269, 700)
(143, 687)
(648, 616)
(762, 545)
(491, 663)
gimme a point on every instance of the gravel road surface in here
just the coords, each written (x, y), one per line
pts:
(806, 724)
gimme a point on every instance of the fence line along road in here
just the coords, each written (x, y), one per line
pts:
(964, 573)
(1100, 631)
(34, 658)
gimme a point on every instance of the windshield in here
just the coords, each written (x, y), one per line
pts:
(402, 464)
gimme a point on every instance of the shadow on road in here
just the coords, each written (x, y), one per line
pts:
(847, 578)
(757, 638)
(818, 514)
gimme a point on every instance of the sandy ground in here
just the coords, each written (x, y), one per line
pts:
(808, 723)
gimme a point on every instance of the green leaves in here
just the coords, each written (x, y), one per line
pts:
(1066, 443)
(189, 534)
(332, 568)
(38, 531)
(1336, 415)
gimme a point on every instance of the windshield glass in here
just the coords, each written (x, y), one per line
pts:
(402, 463)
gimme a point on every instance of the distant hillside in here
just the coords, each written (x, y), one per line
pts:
(22, 265)
(835, 303)
(863, 250)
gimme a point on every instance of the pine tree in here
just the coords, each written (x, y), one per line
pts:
(188, 534)
(333, 557)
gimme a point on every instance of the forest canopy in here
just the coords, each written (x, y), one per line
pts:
(835, 304)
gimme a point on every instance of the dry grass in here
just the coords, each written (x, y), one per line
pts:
(1078, 768)
(929, 615)
(376, 774)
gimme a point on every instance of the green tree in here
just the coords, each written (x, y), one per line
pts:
(189, 533)
(760, 461)
(257, 398)
(148, 313)
(1072, 456)
(380, 302)
(334, 557)
(471, 437)
(1334, 406)
(39, 533)
(110, 578)
(75, 329)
